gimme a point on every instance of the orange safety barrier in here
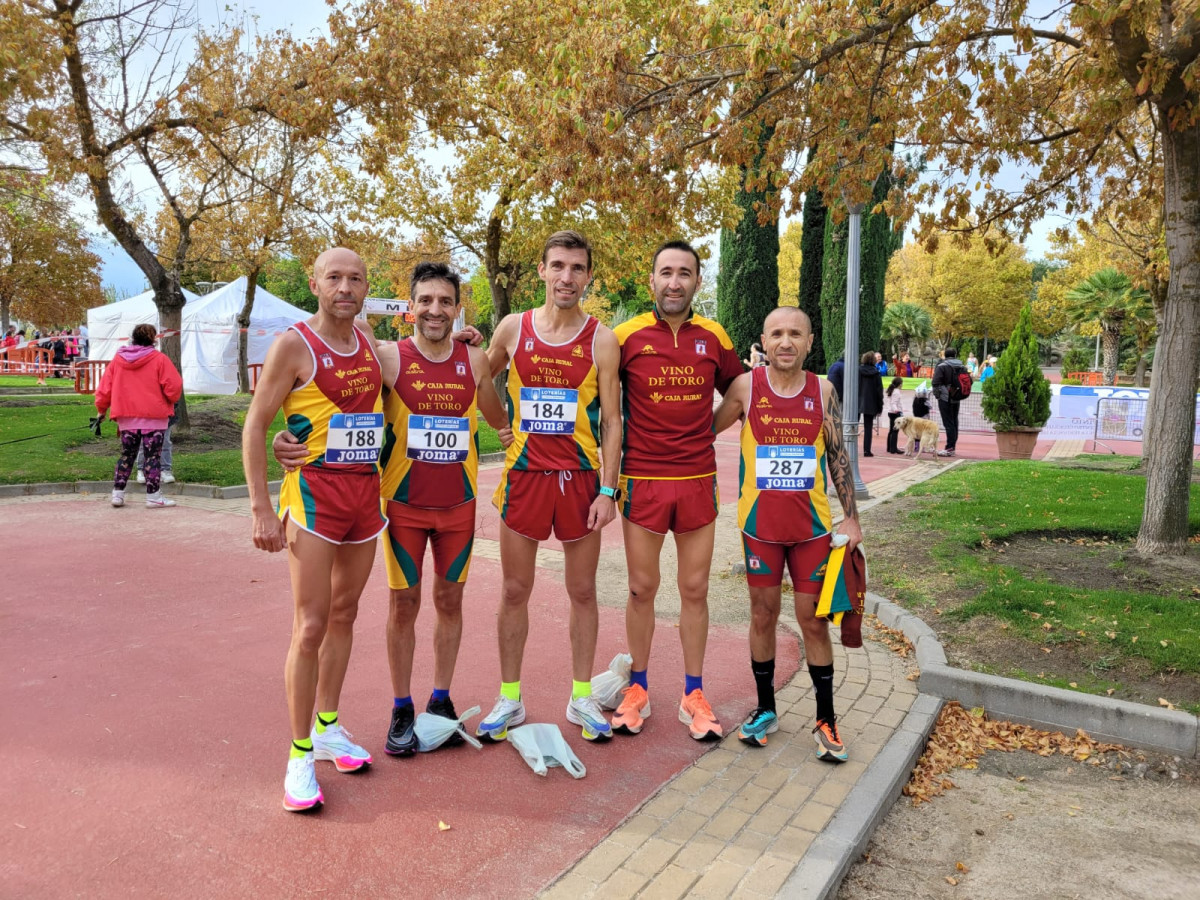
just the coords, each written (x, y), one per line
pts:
(255, 372)
(1090, 379)
(88, 373)
(28, 360)
(925, 372)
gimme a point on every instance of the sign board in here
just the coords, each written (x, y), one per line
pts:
(380, 306)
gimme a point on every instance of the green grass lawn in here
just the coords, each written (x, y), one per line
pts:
(61, 448)
(984, 504)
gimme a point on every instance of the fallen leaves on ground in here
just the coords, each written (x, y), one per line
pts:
(892, 638)
(961, 736)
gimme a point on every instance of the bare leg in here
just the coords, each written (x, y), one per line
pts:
(351, 569)
(581, 558)
(818, 648)
(518, 559)
(765, 603)
(447, 630)
(403, 607)
(310, 560)
(642, 550)
(695, 551)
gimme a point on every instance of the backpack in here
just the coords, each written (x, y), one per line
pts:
(959, 388)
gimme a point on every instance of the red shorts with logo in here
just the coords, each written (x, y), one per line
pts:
(806, 561)
(668, 504)
(451, 532)
(341, 507)
(535, 503)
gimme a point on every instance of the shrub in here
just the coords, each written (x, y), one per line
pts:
(1018, 395)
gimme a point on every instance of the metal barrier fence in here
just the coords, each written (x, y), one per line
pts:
(1119, 419)
(970, 413)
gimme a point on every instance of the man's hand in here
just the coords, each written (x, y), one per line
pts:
(269, 533)
(506, 436)
(289, 452)
(603, 510)
(850, 528)
(469, 335)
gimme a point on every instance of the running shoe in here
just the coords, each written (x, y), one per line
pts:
(300, 789)
(445, 709)
(158, 501)
(495, 724)
(335, 745)
(118, 498)
(633, 711)
(829, 743)
(696, 713)
(586, 712)
(757, 725)
(945, 453)
(168, 478)
(401, 738)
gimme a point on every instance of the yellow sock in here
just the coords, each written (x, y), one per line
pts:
(325, 720)
(580, 689)
(300, 747)
(510, 689)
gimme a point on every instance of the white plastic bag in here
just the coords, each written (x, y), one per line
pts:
(543, 746)
(607, 686)
(433, 731)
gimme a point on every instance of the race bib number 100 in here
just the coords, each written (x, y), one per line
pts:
(790, 468)
(549, 410)
(438, 439)
(354, 438)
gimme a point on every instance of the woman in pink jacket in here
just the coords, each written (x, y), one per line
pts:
(138, 391)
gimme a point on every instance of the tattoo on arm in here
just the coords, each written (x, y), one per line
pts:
(838, 458)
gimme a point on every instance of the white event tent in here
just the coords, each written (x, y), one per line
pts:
(210, 335)
(110, 326)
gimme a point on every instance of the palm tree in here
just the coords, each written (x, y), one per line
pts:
(905, 323)
(1107, 297)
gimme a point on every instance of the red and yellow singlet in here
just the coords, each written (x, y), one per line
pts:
(431, 451)
(782, 496)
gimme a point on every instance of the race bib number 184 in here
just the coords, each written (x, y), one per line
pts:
(354, 438)
(789, 468)
(549, 410)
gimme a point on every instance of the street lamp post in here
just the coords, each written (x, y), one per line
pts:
(850, 376)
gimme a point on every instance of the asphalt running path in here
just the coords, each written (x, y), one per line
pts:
(146, 747)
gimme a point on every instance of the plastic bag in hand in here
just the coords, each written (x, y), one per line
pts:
(543, 746)
(433, 731)
(607, 686)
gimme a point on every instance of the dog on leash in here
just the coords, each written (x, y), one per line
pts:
(917, 430)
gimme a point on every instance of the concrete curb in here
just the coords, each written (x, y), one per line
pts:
(230, 492)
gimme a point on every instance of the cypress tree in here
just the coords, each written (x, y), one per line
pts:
(748, 280)
(877, 248)
(833, 289)
(1018, 395)
(812, 254)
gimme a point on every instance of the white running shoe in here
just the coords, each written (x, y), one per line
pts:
(158, 501)
(141, 477)
(300, 789)
(335, 745)
(118, 498)
(585, 712)
(505, 713)
(168, 478)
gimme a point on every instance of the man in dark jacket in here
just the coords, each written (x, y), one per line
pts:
(870, 397)
(945, 374)
(835, 375)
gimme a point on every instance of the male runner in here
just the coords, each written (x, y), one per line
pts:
(325, 374)
(430, 466)
(671, 362)
(791, 437)
(565, 417)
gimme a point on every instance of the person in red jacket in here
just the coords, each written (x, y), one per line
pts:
(138, 391)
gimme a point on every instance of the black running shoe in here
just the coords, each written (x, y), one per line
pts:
(401, 739)
(445, 708)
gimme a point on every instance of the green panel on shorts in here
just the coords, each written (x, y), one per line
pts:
(468, 493)
(751, 525)
(310, 503)
(407, 566)
(455, 571)
(300, 426)
(389, 444)
(401, 495)
(627, 508)
(593, 415)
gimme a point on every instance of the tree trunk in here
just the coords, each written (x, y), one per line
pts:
(5, 310)
(243, 320)
(1171, 416)
(1110, 340)
(168, 297)
(1139, 374)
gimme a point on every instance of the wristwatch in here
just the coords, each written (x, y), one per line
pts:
(613, 494)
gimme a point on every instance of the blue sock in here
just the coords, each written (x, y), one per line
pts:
(439, 694)
(636, 677)
(692, 683)
(402, 701)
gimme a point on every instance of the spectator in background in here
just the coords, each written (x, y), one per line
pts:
(83, 341)
(139, 388)
(891, 405)
(10, 338)
(881, 365)
(757, 357)
(835, 376)
(870, 396)
(989, 369)
(972, 364)
(906, 367)
(59, 348)
(946, 390)
(921, 402)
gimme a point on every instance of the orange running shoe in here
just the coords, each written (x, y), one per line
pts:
(695, 712)
(633, 711)
(829, 742)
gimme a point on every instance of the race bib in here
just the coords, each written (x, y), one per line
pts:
(549, 410)
(788, 468)
(354, 438)
(438, 439)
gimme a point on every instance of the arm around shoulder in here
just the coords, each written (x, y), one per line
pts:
(485, 390)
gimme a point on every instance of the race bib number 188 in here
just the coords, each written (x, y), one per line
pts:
(549, 410)
(438, 439)
(354, 438)
(790, 468)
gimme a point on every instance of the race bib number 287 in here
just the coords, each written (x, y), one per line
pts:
(354, 438)
(788, 468)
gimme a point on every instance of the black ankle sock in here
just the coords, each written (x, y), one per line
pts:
(764, 681)
(822, 679)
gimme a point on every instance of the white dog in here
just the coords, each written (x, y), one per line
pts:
(923, 430)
